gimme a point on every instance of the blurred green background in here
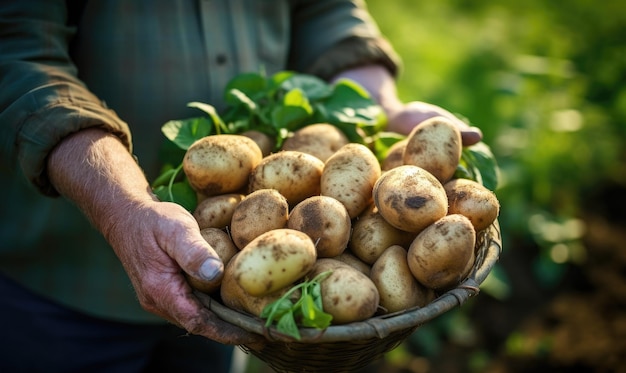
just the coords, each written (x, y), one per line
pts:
(546, 83)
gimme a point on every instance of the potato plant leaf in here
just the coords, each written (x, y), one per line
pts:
(311, 86)
(249, 84)
(479, 164)
(184, 132)
(276, 105)
(307, 311)
(210, 110)
(179, 192)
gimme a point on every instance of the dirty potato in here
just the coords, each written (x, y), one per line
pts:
(259, 212)
(216, 211)
(396, 285)
(295, 175)
(372, 234)
(274, 260)
(349, 176)
(265, 142)
(235, 297)
(410, 198)
(347, 294)
(353, 261)
(326, 221)
(435, 145)
(439, 255)
(320, 140)
(220, 164)
(473, 200)
(395, 155)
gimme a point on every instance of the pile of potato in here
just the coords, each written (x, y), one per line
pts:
(394, 233)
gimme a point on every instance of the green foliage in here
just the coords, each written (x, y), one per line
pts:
(275, 105)
(306, 311)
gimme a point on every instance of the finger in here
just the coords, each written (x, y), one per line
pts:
(471, 135)
(183, 242)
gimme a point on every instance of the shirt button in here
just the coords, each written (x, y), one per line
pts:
(221, 59)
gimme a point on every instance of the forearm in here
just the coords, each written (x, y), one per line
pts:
(379, 82)
(95, 170)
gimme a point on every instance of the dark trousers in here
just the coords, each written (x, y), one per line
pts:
(41, 336)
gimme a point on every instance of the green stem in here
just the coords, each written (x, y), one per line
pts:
(170, 184)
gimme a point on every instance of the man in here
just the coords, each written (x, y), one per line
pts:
(91, 262)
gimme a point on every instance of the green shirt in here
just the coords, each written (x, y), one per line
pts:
(128, 67)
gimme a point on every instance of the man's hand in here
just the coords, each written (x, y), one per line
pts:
(154, 240)
(404, 117)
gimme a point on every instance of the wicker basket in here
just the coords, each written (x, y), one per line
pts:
(350, 347)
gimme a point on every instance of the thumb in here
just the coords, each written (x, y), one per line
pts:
(202, 266)
(195, 256)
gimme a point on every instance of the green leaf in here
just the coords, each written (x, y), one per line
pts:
(312, 314)
(349, 104)
(313, 87)
(287, 325)
(180, 192)
(295, 109)
(354, 86)
(236, 97)
(383, 141)
(185, 132)
(308, 308)
(212, 113)
(249, 84)
(297, 97)
(276, 80)
(276, 309)
(479, 164)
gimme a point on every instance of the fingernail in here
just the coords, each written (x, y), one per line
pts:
(211, 269)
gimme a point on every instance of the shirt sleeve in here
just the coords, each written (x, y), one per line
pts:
(330, 36)
(41, 98)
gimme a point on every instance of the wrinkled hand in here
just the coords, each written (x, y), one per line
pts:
(154, 242)
(406, 116)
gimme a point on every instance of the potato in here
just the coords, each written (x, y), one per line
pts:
(320, 140)
(395, 155)
(349, 176)
(439, 255)
(410, 198)
(224, 247)
(265, 142)
(372, 234)
(347, 294)
(295, 175)
(221, 242)
(274, 260)
(470, 198)
(326, 221)
(236, 298)
(216, 211)
(353, 261)
(259, 212)
(435, 145)
(396, 285)
(220, 164)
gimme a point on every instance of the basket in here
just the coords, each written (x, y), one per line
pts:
(350, 347)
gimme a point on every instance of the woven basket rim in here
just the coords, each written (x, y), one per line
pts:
(489, 248)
